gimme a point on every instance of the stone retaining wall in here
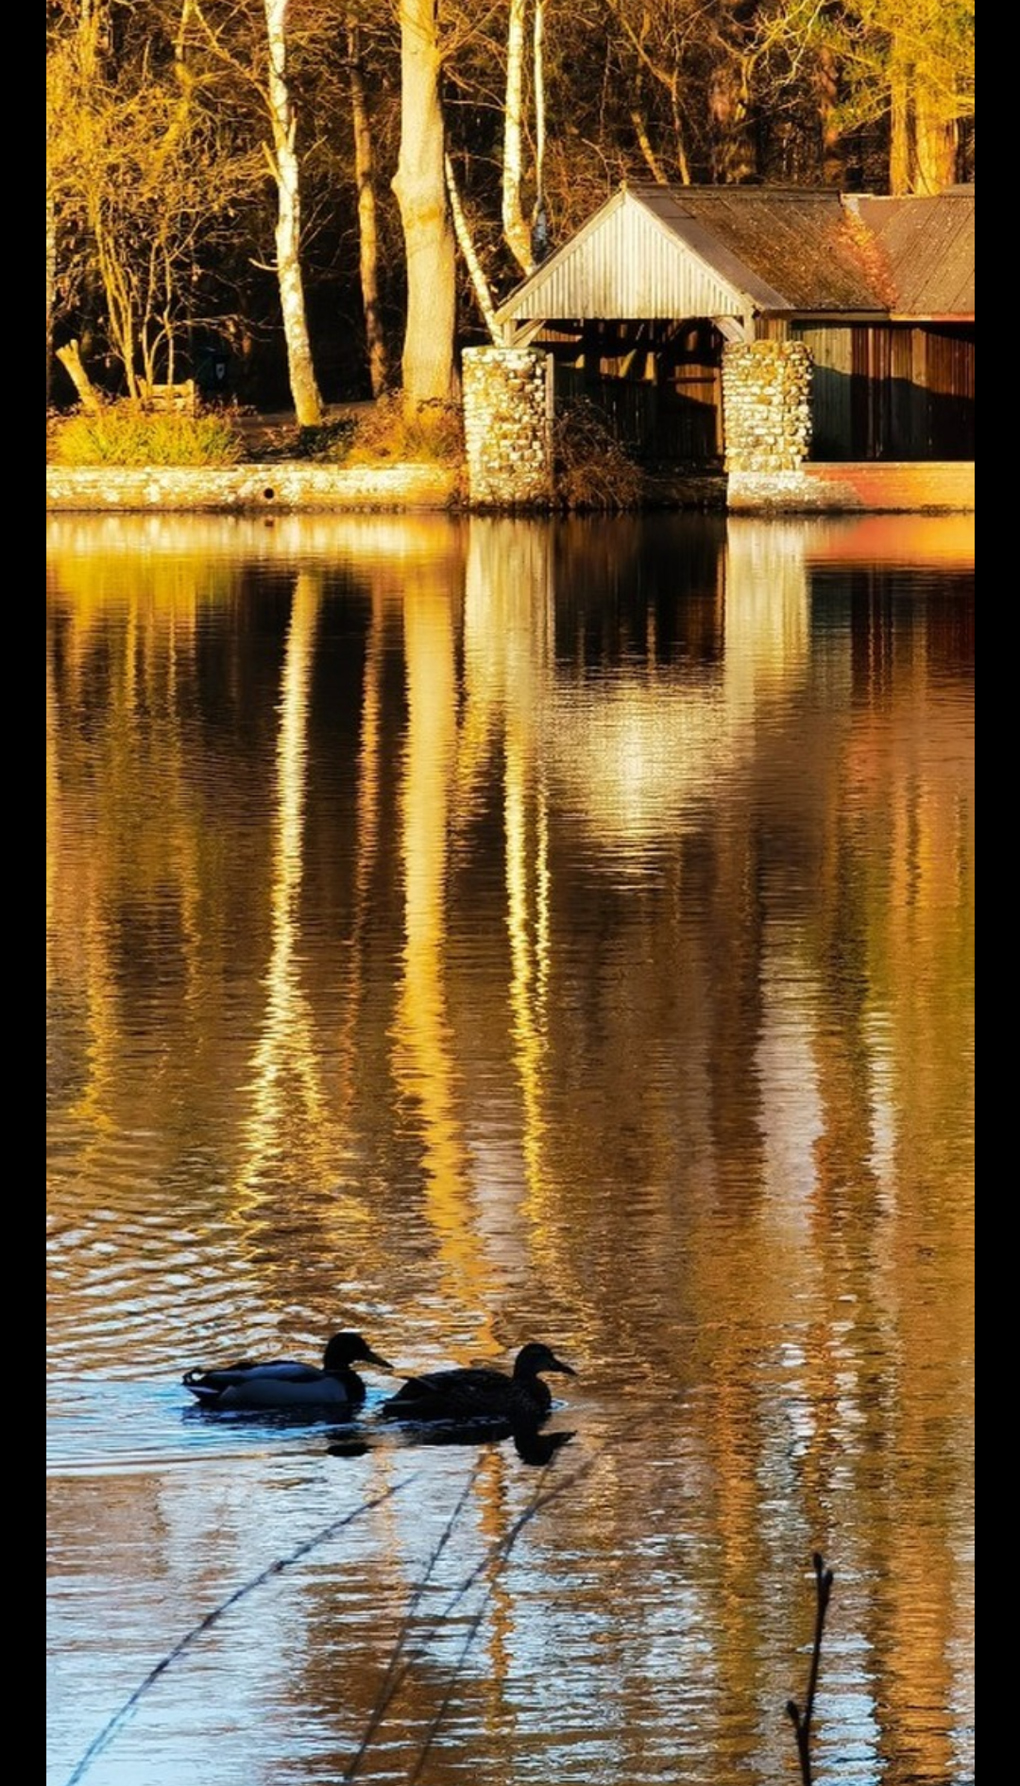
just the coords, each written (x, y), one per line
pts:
(876, 487)
(508, 426)
(766, 405)
(288, 486)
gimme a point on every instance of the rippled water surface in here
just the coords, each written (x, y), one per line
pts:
(472, 931)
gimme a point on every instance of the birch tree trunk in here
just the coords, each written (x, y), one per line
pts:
(284, 163)
(539, 220)
(515, 229)
(420, 190)
(368, 231)
(465, 243)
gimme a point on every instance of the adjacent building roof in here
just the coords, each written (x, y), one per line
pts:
(730, 252)
(928, 245)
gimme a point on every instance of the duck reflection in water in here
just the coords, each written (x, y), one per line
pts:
(531, 1445)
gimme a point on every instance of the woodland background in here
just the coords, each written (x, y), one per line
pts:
(306, 202)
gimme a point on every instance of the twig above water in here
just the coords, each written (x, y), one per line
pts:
(802, 1720)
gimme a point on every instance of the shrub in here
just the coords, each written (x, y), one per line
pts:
(329, 442)
(592, 470)
(124, 433)
(387, 431)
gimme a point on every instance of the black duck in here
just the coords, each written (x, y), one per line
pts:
(482, 1392)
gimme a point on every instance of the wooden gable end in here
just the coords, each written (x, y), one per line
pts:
(622, 264)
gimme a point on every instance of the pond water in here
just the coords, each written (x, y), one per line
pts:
(470, 931)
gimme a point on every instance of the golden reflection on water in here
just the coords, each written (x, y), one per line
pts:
(423, 1056)
(367, 847)
(290, 1116)
(508, 656)
(140, 724)
(643, 759)
(638, 1002)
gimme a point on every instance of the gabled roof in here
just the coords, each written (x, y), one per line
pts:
(732, 251)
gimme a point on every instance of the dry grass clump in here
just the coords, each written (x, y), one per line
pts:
(593, 472)
(125, 433)
(391, 433)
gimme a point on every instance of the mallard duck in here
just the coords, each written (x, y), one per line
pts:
(284, 1383)
(482, 1392)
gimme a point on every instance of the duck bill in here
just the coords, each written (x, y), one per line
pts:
(374, 1358)
(558, 1365)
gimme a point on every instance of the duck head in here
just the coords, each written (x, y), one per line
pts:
(345, 1349)
(535, 1357)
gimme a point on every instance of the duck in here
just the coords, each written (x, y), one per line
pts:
(286, 1383)
(482, 1392)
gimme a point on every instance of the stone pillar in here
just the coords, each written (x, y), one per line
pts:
(766, 406)
(507, 393)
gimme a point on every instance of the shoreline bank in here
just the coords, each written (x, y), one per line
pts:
(294, 486)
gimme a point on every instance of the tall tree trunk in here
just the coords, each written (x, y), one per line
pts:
(899, 135)
(733, 155)
(682, 162)
(51, 281)
(515, 229)
(420, 190)
(284, 163)
(935, 145)
(827, 89)
(539, 219)
(637, 118)
(368, 230)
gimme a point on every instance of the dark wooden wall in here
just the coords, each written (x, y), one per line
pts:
(891, 390)
(895, 391)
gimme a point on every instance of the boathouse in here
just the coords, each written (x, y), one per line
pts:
(673, 308)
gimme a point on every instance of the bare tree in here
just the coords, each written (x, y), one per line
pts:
(139, 185)
(285, 168)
